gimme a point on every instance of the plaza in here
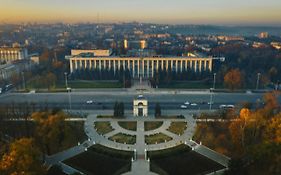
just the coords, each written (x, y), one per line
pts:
(147, 136)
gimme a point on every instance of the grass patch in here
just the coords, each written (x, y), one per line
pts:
(171, 117)
(177, 127)
(180, 160)
(103, 127)
(124, 138)
(105, 116)
(148, 126)
(156, 138)
(91, 84)
(129, 125)
(101, 160)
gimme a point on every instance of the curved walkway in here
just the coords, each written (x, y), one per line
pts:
(140, 164)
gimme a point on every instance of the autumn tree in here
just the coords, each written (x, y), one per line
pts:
(233, 79)
(22, 158)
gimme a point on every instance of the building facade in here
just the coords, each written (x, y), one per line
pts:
(10, 54)
(140, 66)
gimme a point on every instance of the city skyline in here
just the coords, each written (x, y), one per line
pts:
(216, 12)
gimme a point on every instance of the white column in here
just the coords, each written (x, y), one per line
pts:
(200, 65)
(133, 68)
(162, 64)
(195, 65)
(129, 65)
(124, 65)
(210, 65)
(109, 64)
(181, 65)
(190, 64)
(100, 64)
(205, 65)
(90, 64)
(157, 65)
(167, 64)
(71, 66)
(176, 65)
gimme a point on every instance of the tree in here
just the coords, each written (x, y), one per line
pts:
(118, 109)
(23, 158)
(233, 79)
(157, 110)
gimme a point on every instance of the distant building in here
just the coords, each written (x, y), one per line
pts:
(139, 44)
(276, 45)
(10, 54)
(258, 45)
(230, 38)
(138, 66)
(96, 53)
(263, 35)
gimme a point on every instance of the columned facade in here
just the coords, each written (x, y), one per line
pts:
(143, 67)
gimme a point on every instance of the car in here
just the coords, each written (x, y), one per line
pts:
(0, 90)
(193, 104)
(187, 103)
(210, 103)
(89, 101)
(183, 107)
(230, 106)
(222, 106)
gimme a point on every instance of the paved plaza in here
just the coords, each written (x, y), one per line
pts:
(140, 162)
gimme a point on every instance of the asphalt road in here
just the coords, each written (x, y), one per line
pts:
(106, 100)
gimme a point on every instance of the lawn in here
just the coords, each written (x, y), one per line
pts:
(188, 85)
(180, 160)
(101, 160)
(103, 127)
(156, 138)
(148, 126)
(171, 117)
(177, 127)
(129, 125)
(124, 138)
(91, 84)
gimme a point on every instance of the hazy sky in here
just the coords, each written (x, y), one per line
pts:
(236, 12)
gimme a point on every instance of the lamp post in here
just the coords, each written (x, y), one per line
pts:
(214, 84)
(258, 81)
(65, 75)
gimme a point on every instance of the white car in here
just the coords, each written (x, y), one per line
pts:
(183, 107)
(210, 103)
(193, 104)
(89, 101)
(187, 103)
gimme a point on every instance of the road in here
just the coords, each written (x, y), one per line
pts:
(106, 99)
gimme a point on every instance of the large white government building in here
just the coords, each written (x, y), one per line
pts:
(139, 66)
(10, 54)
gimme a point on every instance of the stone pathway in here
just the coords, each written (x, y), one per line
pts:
(139, 165)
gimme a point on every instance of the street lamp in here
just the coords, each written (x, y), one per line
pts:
(65, 74)
(258, 81)
(214, 84)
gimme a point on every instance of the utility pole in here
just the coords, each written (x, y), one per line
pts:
(65, 74)
(258, 81)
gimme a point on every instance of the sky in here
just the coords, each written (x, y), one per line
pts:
(220, 12)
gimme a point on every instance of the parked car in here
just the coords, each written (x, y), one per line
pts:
(193, 104)
(183, 107)
(89, 101)
(187, 103)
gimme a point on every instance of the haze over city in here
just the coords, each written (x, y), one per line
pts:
(218, 12)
